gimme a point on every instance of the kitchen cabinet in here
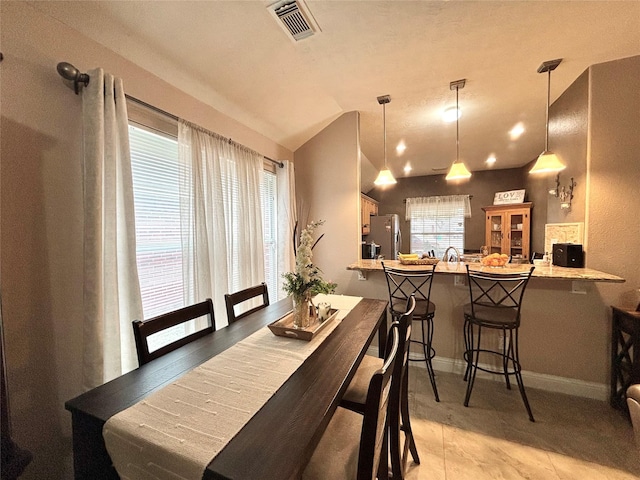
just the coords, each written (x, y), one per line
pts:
(368, 207)
(508, 229)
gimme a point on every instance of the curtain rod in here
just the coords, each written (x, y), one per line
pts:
(71, 73)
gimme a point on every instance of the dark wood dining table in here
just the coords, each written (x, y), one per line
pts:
(279, 440)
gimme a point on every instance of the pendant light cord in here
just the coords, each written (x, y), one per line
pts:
(384, 124)
(457, 128)
(546, 136)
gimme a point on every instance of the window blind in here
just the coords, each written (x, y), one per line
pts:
(269, 229)
(154, 166)
(437, 223)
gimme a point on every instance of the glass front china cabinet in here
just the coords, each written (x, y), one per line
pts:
(508, 229)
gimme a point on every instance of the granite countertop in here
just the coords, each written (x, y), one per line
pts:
(548, 271)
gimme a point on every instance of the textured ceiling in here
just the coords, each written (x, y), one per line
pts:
(234, 56)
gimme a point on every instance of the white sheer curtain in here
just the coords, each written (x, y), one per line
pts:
(111, 288)
(221, 216)
(286, 221)
(438, 206)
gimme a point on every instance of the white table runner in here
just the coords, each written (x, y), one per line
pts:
(175, 432)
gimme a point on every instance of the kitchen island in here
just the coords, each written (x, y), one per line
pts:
(565, 335)
(541, 271)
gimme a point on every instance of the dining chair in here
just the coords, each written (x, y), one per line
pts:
(399, 421)
(143, 329)
(352, 446)
(233, 299)
(495, 304)
(401, 284)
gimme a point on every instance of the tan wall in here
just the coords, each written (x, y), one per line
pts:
(568, 131)
(482, 187)
(41, 223)
(613, 208)
(327, 186)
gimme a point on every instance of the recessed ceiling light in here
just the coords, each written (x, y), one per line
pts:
(407, 168)
(516, 131)
(401, 147)
(451, 114)
(491, 159)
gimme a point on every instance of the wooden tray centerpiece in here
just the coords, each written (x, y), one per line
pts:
(284, 326)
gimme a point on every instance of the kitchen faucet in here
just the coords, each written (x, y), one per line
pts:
(448, 259)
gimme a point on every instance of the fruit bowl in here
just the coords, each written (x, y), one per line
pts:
(495, 260)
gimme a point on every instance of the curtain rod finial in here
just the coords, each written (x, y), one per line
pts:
(71, 73)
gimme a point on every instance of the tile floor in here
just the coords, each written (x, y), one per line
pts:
(572, 437)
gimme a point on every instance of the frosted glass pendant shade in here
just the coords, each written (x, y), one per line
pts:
(547, 162)
(385, 177)
(458, 171)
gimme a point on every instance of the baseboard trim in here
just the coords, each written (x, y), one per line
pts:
(552, 383)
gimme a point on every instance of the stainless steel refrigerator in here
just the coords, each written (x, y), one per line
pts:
(385, 231)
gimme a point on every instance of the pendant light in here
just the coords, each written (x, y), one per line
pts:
(548, 161)
(458, 170)
(385, 177)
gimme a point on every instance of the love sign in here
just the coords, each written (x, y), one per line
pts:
(505, 198)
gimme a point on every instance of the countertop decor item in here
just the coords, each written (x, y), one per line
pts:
(306, 281)
(415, 259)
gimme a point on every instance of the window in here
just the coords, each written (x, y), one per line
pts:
(437, 223)
(154, 166)
(154, 163)
(269, 230)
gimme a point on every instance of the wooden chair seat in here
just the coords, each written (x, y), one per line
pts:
(356, 395)
(336, 456)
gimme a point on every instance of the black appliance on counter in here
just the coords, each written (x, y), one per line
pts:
(568, 255)
(370, 251)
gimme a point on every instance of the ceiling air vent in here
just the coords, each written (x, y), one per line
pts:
(295, 18)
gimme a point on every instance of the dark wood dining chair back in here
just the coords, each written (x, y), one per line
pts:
(143, 329)
(399, 420)
(376, 410)
(354, 449)
(233, 299)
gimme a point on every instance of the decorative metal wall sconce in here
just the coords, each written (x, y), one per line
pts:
(564, 193)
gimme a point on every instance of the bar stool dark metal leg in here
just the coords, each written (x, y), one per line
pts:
(517, 369)
(511, 354)
(472, 365)
(428, 352)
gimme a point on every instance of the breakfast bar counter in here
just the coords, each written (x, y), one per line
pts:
(541, 271)
(565, 336)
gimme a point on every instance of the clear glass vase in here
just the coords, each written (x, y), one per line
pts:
(300, 311)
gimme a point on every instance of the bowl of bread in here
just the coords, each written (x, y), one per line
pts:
(495, 260)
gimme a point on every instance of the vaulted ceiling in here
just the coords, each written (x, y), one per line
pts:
(235, 56)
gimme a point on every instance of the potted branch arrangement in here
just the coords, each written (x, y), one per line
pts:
(306, 281)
